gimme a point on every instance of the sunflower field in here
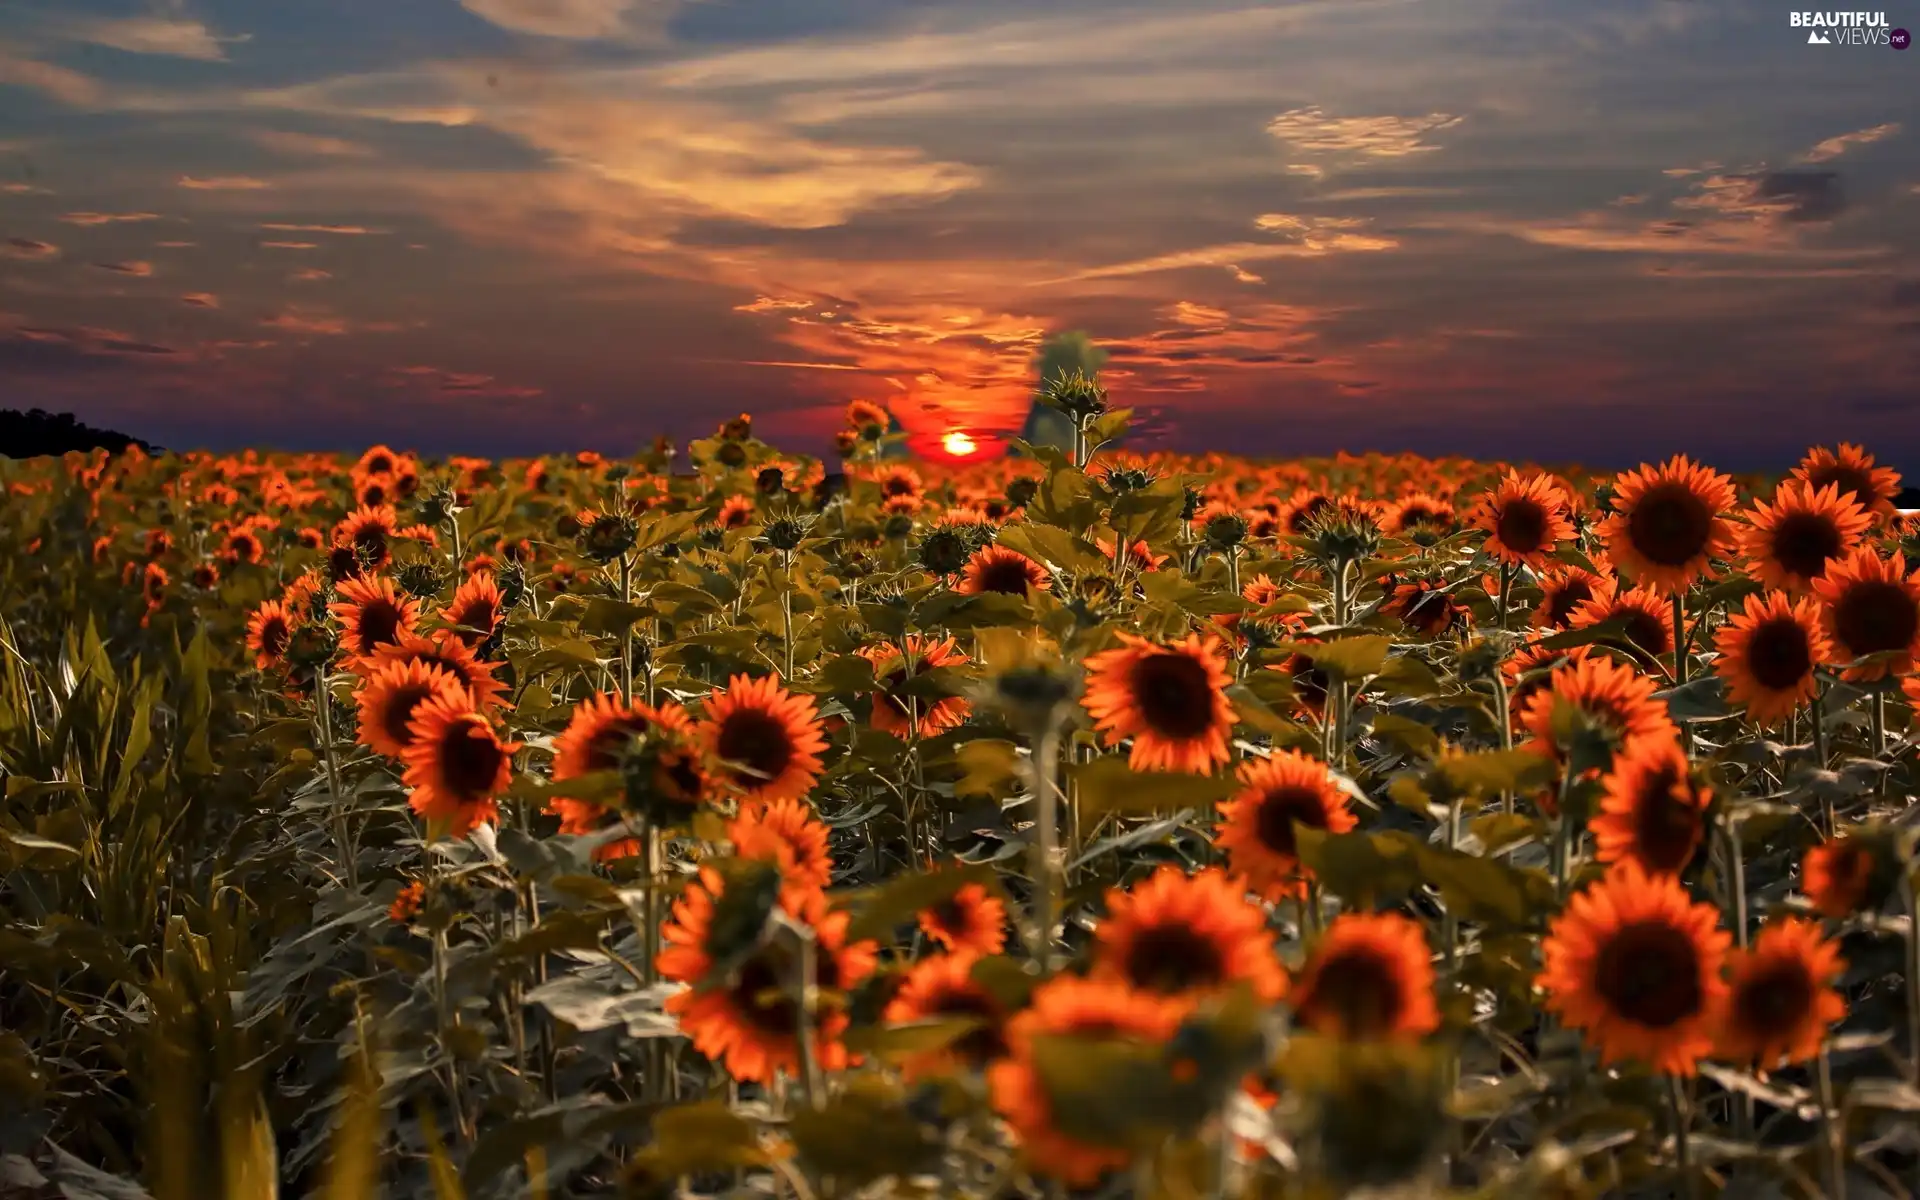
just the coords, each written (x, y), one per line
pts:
(1084, 823)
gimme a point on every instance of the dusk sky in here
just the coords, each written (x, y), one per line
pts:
(1599, 231)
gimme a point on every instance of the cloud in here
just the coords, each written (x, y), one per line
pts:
(1834, 147)
(289, 245)
(308, 321)
(95, 218)
(342, 230)
(309, 275)
(139, 270)
(223, 183)
(1306, 237)
(1312, 131)
(571, 19)
(200, 300)
(308, 145)
(173, 37)
(67, 86)
(29, 249)
(465, 384)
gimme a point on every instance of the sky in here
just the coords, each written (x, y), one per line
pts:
(1548, 229)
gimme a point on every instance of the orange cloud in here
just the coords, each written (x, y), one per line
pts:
(172, 37)
(308, 321)
(140, 270)
(1312, 131)
(223, 183)
(94, 218)
(290, 245)
(66, 86)
(308, 144)
(1834, 147)
(29, 249)
(343, 230)
(200, 300)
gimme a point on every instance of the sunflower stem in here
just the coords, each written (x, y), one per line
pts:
(809, 1008)
(337, 803)
(1680, 655)
(1043, 868)
(1736, 868)
(1682, 1149)
(1910, 897)
(1817, 715)
(651, 847)
(626, 636)
(1505, 703)
(1835, 1135)
(786, 611)
(1506, 591)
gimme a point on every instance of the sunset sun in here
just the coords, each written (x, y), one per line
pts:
(959, 444)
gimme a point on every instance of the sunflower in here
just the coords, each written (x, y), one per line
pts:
(366, 532)
(1782, 999)
(1184, 937)
(455, 764)
(735, 512)
(1369, 978)
(1635, 964)
(596, 739)
(971, 921)
(1420, 511)
(1525, 519)
(269, 630)
(443, 649)
(1139, 556)
(1256, 829)
(1531, 669)
(476, 610)
(765, 741)
(373, 613)
(785, 833)
(1852, 468)
(1668, 523)
(391, 696)
(1853, 871)
(893, 711)
(862, 413)
(1789, 541)
(1870, 605)
(1647, 619)
(1768, 652)
(1615, 697)
(995, 569)
(1562, 591)
(1068, 1006)
(942, 988)
(747, 1019)
(1653, 810)
(1171, 700)
(1424, 606)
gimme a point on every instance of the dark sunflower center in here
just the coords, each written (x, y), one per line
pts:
(1562, 600)
(1263, 525)
(475, 614)
(1418, 514)
(378, 624)
(1004, 574)
(1876, 615)
(949, 917)
(1648, 972)
(1771, 1002)
(604, 749)
(1646, 630)
(1522, 526)
(469, 761)
(1670, 525)
(1172, 958)
(274, 636)
(398, 714)
(1174, 694)
(761, 993)
(1779, 654)
(1804, 542)
(1853, 482)
(757, 740)
(1359, 991)
(1666, 829)
(371, 539)
(679, 776)
(379, 464)
(982, 1045)
(1278, 811)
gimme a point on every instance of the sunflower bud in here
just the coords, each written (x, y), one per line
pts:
(1224, 531)
(1190, 503)
(1127, 479)
(739, 429)
(512, 578)
(731, 454)
(898, 527)
(944, 551)
(1033, 694)
(845, 443)
(609, 536)
(1021, 491)
(1076, 394)
(420, 579)
(783, 533)
(438, 506)
(663, 777)
(618, 472)
(1339, 538)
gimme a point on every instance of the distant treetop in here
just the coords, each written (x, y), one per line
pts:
(38, 432)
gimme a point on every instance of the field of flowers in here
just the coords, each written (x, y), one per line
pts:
(1083, 822)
